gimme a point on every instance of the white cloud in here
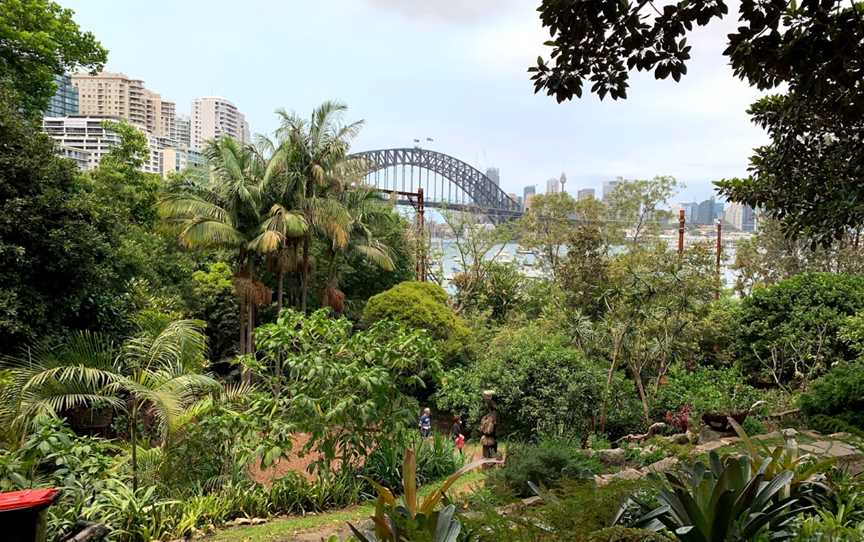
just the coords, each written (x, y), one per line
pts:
(443, 10)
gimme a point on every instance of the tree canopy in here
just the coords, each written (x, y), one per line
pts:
(38, 40)
(809, 175)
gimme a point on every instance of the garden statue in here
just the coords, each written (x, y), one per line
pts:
(488, 426)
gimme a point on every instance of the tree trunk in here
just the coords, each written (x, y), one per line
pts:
(280, 288)
(638, 379)
(304, 277)
(242, 327)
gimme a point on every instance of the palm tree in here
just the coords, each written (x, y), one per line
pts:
(313, 156)
(365, 209)
(153, 373)
(229, 209)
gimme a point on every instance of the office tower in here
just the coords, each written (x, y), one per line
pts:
(214, 117)
(740, 216)
(691, 209)
(527, 195)
(609, 187)
(553, 186)
(585, 193)
(87, 134)
(706, 213)
(494, 175)
(65, 100)
(182, 131)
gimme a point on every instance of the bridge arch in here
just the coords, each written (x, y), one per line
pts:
(483, 193)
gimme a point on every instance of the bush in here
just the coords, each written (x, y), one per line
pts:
(543, 385)
(423, 305)
(705, 389)
(836, 400)
(436, 459)
(790, 331)
(545, 464)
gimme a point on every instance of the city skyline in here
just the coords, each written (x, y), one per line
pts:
(685, 130)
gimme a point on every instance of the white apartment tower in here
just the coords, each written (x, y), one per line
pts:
(214, 117)
(85, 140)
(118, 96)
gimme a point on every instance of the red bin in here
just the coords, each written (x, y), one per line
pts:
(22, 514)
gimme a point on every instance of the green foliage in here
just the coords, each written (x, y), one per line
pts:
(789, 331)
(423, 305)
(498, 292)
(413, 517)
(724, 501)
(838, 395)
(348, 391)
(38, 41)
(625, 534)
(542, 384)
(215, 302)
(545, 464)
(436, 459)
(705, 389)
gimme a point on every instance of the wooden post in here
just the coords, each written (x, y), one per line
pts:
(681, 222)
(421, 252)
(719, 252)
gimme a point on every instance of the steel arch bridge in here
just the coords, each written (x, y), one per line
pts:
(447, 182)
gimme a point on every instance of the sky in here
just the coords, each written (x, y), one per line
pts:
(450, 70)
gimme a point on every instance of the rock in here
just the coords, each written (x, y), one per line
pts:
(680, 438)
(664, 465)
(238, 521)
(840, 436)
(612, 456)
(532, 501)
(706, 434)
(257, 521)
(650, 449)
(707, 447)
(833, 449)
(628, 474)
(767, 436)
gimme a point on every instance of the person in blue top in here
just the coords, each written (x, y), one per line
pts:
(426, 423)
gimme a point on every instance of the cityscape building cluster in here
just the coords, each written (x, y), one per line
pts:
(82, 102)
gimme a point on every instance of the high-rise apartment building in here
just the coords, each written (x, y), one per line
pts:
(182, 131)
(585, 193)
(214, 117)
(494, 175)
(88, 135)
(117, 95)
(528, 194)
(609, 187)
(65, 100)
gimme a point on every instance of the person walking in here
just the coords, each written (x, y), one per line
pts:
(426, 423)
(456, 434)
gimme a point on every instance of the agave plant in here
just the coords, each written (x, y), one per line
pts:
(724, 502)
(415, 518)
(786, 457)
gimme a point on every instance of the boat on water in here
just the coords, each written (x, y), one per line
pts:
(524, 251)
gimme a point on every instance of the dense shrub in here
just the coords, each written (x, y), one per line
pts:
(436, 458)
(545, 464)
(835, 402)
(543, 385)
(705, 389)
(423, 305)
(789, 331)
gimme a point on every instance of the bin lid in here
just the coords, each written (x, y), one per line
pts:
(28, 498)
